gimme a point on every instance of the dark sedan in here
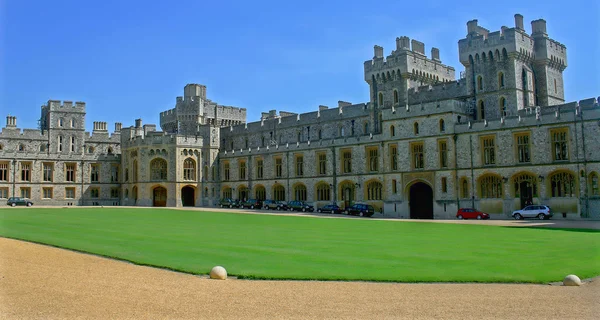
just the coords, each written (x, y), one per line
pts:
(17, 201)
(330, 208)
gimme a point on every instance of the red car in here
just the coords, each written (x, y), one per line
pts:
(469, 213)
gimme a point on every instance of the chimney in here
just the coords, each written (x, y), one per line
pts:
(538, 27)
(503, 29)
(378, 52)
(118, 126)
(343, 104)
(472, 26)
(418, 46)
(435, 54)
(11, 122)
(138, 123)
(322, 107)
(519, 21)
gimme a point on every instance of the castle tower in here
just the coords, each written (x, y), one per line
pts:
(550, 60)
(65, 124)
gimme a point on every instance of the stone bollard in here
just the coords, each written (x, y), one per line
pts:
(218, 272)
(572, 280)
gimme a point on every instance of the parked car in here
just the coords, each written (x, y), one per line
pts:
(252, 204)
(300, 206)
(274, 205)
(470, 213)
(18, 201)
(330, 208)
(228, 203)
(360, 209)
(533, 211)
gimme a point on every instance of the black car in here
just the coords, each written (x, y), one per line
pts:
(274, 205)
(330, 208)
(18, 201)
(252, 204)
(228, 203)
(359, 209)
(300, 206)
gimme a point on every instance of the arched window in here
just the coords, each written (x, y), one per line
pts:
(158, 170)
(300, 192)
(126, 175)
(189, 169)
(479, 83)
(500, 80)
(135, 171)
(260, 193)
(502, 105)
(464, 189)
(72, 123)
(562, 184)
(366, 128)
(490, 186)
(481, 110)
(380, 99)
(523, 184)
(227, 193)
(442, 125)
(298, 136)
(341, 131)
(320, 134)
(278, 192)
(61, 122)
(594, 189)
(504, 54)
(109, 150)
(396, 95)
(525, 88)
(416, 128)
(392, 131)
(246, 143)
(323, 192)
(374, 190)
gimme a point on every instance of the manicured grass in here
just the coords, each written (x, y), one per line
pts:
(288, 247)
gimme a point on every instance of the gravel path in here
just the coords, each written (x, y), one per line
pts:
(42, 282)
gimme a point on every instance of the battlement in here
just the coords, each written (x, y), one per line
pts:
(437, 92)
(65, 106)
(426, 109)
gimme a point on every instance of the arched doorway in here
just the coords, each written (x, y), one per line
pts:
(347, 192)
(188, 196)
(243, 193)
(159, 197)
(421, 201)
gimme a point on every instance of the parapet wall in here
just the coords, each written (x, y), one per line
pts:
(441, 91)
(65, 106)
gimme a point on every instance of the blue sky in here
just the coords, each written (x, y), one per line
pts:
(130, 59)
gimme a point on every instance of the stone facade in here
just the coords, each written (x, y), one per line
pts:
(497, 138)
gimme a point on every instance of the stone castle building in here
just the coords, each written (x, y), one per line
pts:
(427, 143)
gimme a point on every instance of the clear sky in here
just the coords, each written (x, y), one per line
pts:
(130, 59)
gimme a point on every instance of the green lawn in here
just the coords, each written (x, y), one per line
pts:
(288, 247)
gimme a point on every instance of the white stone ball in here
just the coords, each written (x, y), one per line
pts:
(218, 272)
(572, 280)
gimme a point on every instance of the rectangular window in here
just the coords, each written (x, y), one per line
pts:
(242, 170)
(114, 192)
(278, 167)
(72, 144)
(226, 171)
(444, 185)
(523, 154)
(299, 165)
(114, 173)
(47, 193)
(418, 157)
(394, 157)
(60, 143)
(94, 193)
(70, 168)
(25, 171)
(373, 159)
(560, 145)
(47, 169)
(69, 193)
(322, 163)
(3, 193)
(3, 171)
(95, 173)
(443, 148)
(259, 169)
(347, 161)
(394, 187)
(25, 192)
(489, 150)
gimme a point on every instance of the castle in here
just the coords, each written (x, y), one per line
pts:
(498, 137)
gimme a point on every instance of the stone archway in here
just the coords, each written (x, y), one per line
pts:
(188, 196)
(159, 197)
(421, 201)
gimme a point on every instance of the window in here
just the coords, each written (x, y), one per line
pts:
(299, 165)
(563, 184)
(346, 161)
(242, 170)
(70, 168)
(227, 193)
(25, 171)
(560, 146)
(205, 173)
(73, 144)
(3, 171)
(395, 96)
(489, 150)
(442, 125)
(502, 106)
(416, 128)
(72, 123)
(25, 192)
(278, 193)
(481, 110)
(300, 192)
(246, 143)
(21, 147)
(392, 131)
(479, 83)
(299, 136)
(525, 183)
(126, 174)
(226, 170)
(279, 168)
(95, 172)
(443, 149)
(114, 192)
(260, 193)
(322, 163)
(320, 134)
(464, 189)
(444, 185)
(525, 88)
(47, 169)
(594, 189)
(394, 157)
(323, 192)
(373, 159)
(3, 193)
(109, 150)
(47, 193)
(95, 193)
(417, 155)
(135, 171)
(262, 141)
(43, 147)
(490, 186)
(114, 173)
(61, 122)
(366, 128)
(380, 99)
(259, 169)
(374, 190)
(158, 170)
(555, 87)
(189, 169)
(523, 154)
(69, 193)
(500, 80)
(394, 186)
(341, 131)
(60, 143)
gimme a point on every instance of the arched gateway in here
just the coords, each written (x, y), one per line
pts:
(159, 197)
(421, 201)
(188, 196)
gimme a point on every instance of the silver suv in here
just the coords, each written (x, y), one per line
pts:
(533, 211)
